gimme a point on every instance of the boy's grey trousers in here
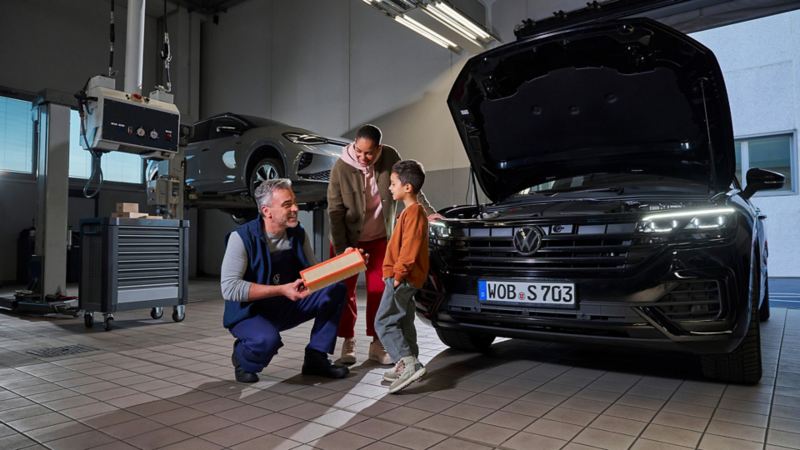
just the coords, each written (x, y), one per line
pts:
(394, 321)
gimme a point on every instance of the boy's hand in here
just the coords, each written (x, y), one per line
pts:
(295, 291)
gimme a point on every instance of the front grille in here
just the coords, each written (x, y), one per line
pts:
(564, 247)
(692, 301)
(325, 175)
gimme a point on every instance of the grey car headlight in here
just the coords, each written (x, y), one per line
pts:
(693, 224)
(306, 139)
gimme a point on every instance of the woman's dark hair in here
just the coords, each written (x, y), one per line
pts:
(370, 132)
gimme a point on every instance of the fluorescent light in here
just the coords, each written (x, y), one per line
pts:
(452, 24)
(425, 31)
(458, 17)
(369, 2)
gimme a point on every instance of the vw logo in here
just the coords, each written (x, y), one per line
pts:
(527, 240)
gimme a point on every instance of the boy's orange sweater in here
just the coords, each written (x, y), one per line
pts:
(407, 252)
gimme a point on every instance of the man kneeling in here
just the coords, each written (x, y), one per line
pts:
(264, 295)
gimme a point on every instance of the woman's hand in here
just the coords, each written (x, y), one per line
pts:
(434, 217)
(360, 250)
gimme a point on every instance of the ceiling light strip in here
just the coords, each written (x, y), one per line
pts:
(455, 15)
(425, 31)
(450, 23)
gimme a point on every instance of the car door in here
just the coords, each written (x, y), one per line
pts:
(214, 163)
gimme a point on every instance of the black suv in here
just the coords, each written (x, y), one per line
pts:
(615, 217)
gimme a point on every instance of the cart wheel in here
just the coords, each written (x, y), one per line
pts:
(179, 313)
(157, 312)
(88, 320)
(107, 322)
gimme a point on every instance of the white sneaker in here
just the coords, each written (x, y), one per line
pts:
(348, 351)
(412, 371)
(393, 373)
(378, 354)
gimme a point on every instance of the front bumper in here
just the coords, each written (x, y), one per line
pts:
(692, 300)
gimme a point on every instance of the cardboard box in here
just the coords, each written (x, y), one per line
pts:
(127, 207)
(333, 270)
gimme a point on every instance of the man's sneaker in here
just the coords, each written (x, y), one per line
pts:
(393, 373)
(317, 363)
(241, 375)
(411, 371)
(377, 353)
(348, 351)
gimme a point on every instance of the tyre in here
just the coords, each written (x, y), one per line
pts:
(264, 169)
(88, 320)
(469, 342)
(107, 323)
(763, 311)
(743, 364)
(157, 313)
(242, 216)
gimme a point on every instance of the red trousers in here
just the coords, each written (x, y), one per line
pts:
(374, 279)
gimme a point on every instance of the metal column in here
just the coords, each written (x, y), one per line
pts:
(134, 46)
(52, 180)
(320, 240)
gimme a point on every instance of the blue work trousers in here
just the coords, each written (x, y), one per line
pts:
(259, 336)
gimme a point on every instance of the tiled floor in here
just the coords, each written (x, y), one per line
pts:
(159, 384)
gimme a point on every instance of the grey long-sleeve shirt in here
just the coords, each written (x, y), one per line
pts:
(234, 264)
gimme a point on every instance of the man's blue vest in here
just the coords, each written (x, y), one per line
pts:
(259, 268)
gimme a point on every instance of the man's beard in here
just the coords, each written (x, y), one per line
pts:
(291, 221)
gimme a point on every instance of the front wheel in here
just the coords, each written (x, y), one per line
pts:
(743, 364)
(265, 169)
(763, 311)
(469, 342)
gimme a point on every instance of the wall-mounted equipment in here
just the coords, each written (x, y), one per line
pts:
(129, 122)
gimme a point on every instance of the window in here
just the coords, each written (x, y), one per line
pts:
(774, 153)
(117, 166)
(16, 136)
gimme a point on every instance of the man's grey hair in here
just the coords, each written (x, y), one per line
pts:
(266, 189)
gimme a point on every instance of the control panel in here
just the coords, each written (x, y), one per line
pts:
(131, 123)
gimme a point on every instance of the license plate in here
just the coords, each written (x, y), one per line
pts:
(539, 294)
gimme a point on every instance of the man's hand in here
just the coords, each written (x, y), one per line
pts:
(360, 250)
(396, 283)
(295, 291)
(434, 217)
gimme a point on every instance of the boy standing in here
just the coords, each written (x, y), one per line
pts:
(405, 268)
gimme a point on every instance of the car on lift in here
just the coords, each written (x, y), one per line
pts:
(614, 215)
(229, 155)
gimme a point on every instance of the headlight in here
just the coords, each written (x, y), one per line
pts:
(695, 224)
(307, 139)
(438, 230)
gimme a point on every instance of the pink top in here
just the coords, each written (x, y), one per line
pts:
(373, 226)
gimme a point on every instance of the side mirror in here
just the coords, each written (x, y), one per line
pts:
(762, 180)
(228, 130)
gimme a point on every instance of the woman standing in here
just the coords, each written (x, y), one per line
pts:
(362, 215)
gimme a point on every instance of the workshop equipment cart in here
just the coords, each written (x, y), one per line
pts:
(132, 264)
